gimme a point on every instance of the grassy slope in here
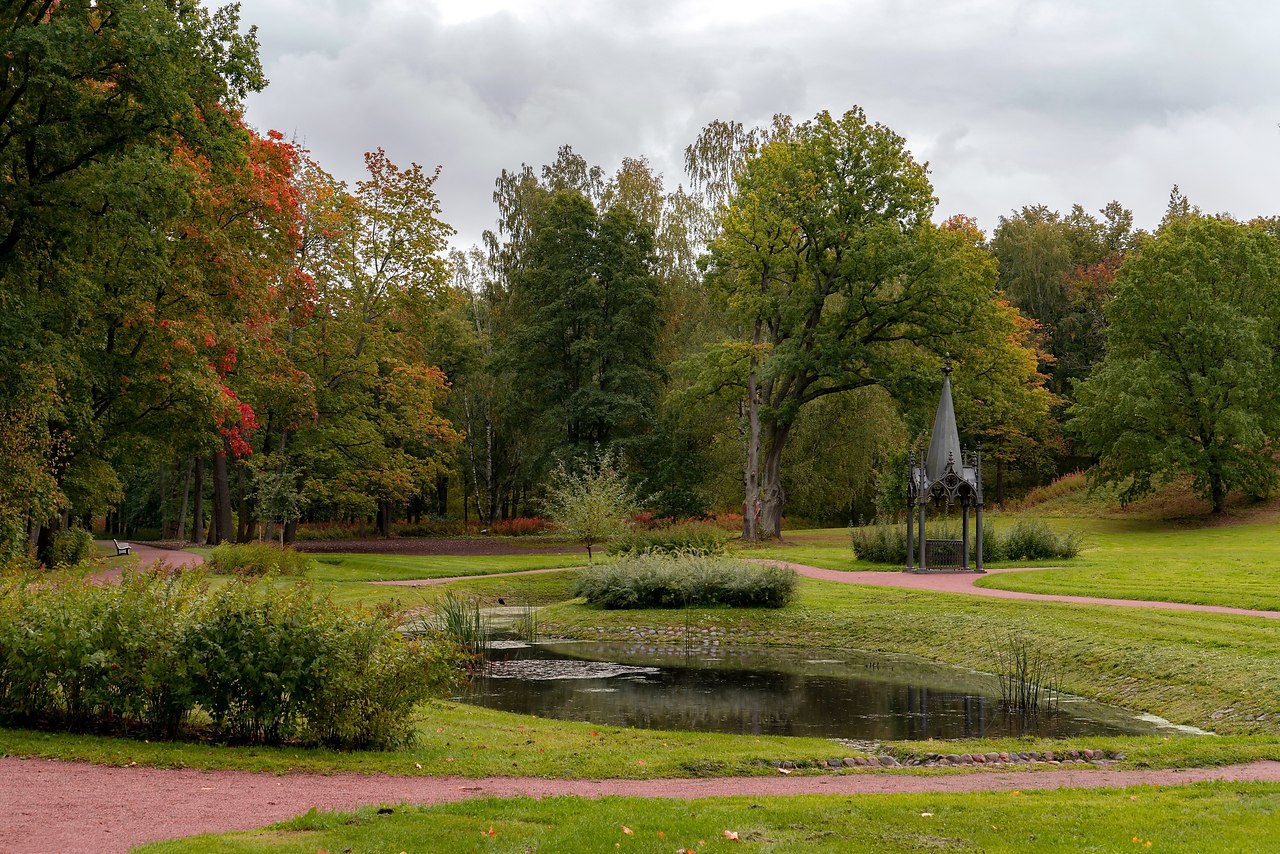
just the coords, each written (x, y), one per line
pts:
(1202, 817)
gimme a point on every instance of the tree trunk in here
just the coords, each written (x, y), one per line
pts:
(182, 514)
(164, 501)
(1217, 493)
(775, 498)
(197, 511)
(442, 495)
(751, 467)
(223, 529)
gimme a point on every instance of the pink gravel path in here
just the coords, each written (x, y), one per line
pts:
(965, 582)
(54, 806)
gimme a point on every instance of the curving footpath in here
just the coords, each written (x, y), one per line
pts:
(51, 805)
(966, 582)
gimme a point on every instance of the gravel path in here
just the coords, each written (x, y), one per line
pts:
(54, 806)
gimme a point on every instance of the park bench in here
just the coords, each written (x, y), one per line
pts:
(122, 548)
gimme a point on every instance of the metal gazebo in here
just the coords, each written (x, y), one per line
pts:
(945, 474)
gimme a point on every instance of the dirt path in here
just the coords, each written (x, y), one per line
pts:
(965, 582)
(51, 806)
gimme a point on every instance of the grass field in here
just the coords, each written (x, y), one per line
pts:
(1216, 817)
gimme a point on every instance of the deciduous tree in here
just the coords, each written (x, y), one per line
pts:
(1188, 382)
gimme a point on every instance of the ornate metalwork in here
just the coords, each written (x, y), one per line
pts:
(945, 474)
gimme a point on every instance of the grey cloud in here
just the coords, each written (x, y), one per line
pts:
(1011, 102)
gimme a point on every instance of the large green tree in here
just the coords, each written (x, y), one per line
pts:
(1188, 382)
(582, 331)
(828, 258)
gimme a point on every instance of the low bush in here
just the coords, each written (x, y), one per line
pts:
(162, 650)
(521, 527)
(69, 547)
(880, 543)
(652, 580)
(1032, 539)
(688, 537)
(1026, 539)
(257, 559)
(435, 528)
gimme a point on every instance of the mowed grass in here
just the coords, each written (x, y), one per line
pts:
(1218, 817)
(1233, 565)
(343, 567)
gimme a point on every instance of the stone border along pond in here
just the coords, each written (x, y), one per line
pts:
(1099, 758)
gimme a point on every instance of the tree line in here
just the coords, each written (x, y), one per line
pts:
(204, 332)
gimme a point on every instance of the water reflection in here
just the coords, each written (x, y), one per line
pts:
(771, 692)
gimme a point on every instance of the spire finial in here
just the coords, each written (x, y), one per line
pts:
(946, 364)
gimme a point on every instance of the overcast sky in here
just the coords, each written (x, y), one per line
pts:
(1011, 103)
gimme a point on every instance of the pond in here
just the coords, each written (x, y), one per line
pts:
(770, 691)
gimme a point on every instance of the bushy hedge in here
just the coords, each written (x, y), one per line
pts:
(1026, 539)
(688, 537)
(652, 580)
(257, 559)
(69, 547)
(166, 654)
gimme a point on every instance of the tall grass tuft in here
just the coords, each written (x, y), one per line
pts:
(465, 625)
(1026, 678)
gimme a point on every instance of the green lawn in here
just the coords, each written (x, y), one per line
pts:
(1216, 817)
(1235, 565)
(343, 567)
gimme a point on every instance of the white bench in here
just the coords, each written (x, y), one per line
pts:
(122, 548)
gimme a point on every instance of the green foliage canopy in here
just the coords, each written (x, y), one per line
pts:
(1188, 382)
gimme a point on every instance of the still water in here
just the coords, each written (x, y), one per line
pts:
(770, 691)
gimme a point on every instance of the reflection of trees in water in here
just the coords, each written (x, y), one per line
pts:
(722, 698)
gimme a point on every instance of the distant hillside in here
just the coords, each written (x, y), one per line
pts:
(1071, 495)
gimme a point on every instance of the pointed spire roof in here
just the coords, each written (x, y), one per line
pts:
(944, 443)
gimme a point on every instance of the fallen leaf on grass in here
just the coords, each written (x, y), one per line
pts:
(628, 831)
(730, 834)
(784, 770)
(926, 815)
